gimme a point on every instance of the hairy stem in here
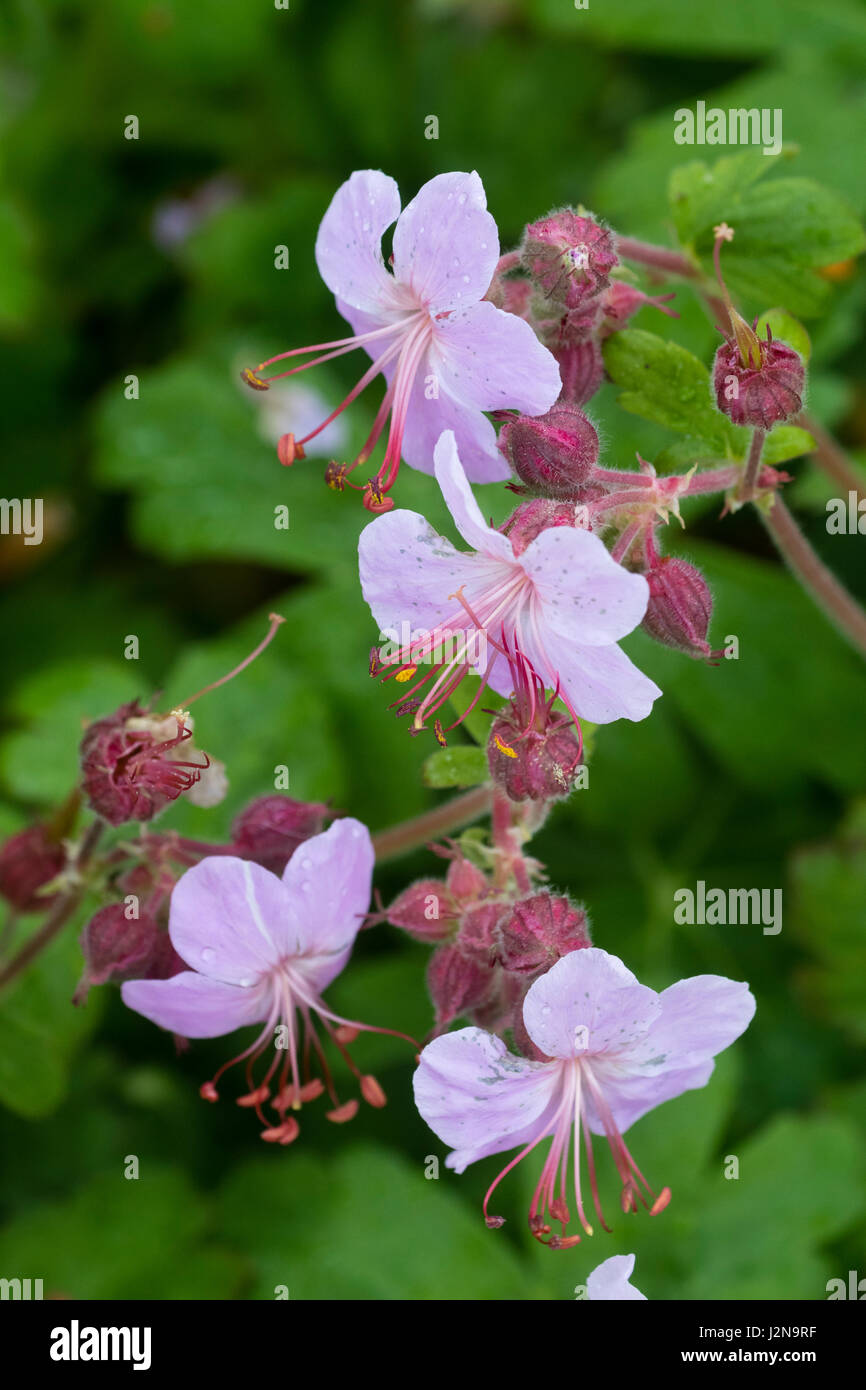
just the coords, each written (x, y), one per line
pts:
(411, 834)
(831, 457)
(59, 914)
(657, 257)
(746, 490)
(832, 598)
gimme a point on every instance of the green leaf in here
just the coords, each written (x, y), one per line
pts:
(829, 890)
(784, 229)
(663, 382)
(367, 1224)
(40, 1029)
(800, 1183)
(463, 765)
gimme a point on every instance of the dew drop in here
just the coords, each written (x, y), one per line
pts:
(208, 955)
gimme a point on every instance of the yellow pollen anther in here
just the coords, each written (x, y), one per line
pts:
(504, 747)
(407, 674)
(249, 376)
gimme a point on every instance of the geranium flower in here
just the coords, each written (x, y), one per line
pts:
(447, 354)
(610, 1280)
(554, 612)
(611, 1050)
(261, 949)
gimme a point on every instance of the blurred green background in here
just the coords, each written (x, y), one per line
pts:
(155, 257)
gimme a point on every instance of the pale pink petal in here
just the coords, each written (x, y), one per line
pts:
(481, 1099)
(588, 1003)
(586, 597)
(600, 683)
(428, 417)
(329, 880)
(349, 243)
(610, 1280)
(407, 572)
(462, 505)
(446, 245)
(493, 360)
(196, 1007)
(227, 919)
(630, 1095)
(700, 1017)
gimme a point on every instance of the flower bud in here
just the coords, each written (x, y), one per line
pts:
(621, 302)
(269, 830)
(758, 382)
(477, 934)
(425, 910)
(581, 369)
(531, 518)
(680, 607)
(538, 931)
(569, 257)
(553, 453)
(457, 984)
(118, 948)
(538, 765)
(28, 861)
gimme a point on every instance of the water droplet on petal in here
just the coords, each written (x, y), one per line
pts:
(208, 955)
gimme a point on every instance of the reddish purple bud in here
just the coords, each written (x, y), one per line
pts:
(758, 382)
(680, 607)
(621, 301)
(538, 764)
(426, 910)
(531, 518)
(134, 763)
(269, 830)
(28, 861)
(457, 984)
(465, 881)
(538, 931)
(569, 257)
(118, 948)
(553, 453)
(477, 934)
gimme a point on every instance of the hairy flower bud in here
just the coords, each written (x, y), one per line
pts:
(457, 983)
(531, 518)
(538, 930)
(269, 830)
(553, 453)
(581, 370)
(28, 861)
(569, 257)
(761, 385)
(118, 948)
(425, 910)
(680, 607)
(535, 765)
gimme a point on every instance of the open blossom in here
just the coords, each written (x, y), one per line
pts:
(609, 1281)
(554, 612)
(446, 353)
(261, 949)
(614, 1050)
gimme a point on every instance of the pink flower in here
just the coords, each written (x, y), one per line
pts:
(261, 950)
(447, 354)
(614, 1048)
(610, 1280)
(555, 611)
